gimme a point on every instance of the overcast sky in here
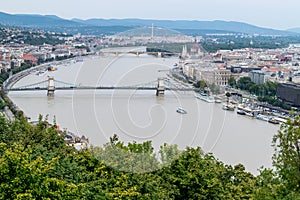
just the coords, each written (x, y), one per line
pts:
(266, 13)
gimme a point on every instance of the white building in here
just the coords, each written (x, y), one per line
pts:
(258, 76)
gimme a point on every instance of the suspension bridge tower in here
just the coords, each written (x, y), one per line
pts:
(160, 87)
(51, 87)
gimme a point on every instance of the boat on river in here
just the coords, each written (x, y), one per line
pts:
(240, 112)
(205, 97)
(263, 117)
(181, 110)
(217, 100)
(244, 110)
(228, 107)
(274, 121)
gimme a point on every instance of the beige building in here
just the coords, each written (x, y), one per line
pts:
(218, 76)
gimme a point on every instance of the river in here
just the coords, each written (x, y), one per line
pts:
(141, 115)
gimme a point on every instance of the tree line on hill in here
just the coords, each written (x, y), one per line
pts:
(215, 43)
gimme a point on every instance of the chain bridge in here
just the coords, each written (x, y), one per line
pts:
(51, 85)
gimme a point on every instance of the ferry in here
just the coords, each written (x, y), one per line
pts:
(263, 117)
(228, 107)
(205, 97)
(277, 120)
(181, 110)
(243, 110)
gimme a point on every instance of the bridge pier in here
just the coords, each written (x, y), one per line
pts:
(51, 87)
(160, 91)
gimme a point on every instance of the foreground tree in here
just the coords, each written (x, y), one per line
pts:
(36, 163)
(287, 153)
(25, 178)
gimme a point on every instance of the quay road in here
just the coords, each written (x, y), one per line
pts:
(9, 83)
(16, 77)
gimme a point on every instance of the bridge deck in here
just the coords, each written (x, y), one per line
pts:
(101, 88)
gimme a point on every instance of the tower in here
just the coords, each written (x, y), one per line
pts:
(51, 87)
(160, 87)
(184, 52)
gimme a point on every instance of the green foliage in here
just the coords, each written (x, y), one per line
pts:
(3, 77)
(23, 177)
(267, 89)
(167, 47)
(228, 94)
(287, 153)
(2, 104)
(233, 42)
(196, 175)
(200, 84)
(35, 38)
(24, 66)
(36, 163)
(83, 47)
(134, 157)
(169, 153)
(244, 83)
(215, 89)
(274, 102)
(232, 82)
(265, 92)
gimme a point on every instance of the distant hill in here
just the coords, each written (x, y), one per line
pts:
(34, 20)
(196, 32)
(295, 30)
(226, 26)
(113, 26)
(55, 23)
(147, 32)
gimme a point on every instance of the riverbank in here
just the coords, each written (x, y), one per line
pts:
(9, 83)
(245, 104)
(13, 112)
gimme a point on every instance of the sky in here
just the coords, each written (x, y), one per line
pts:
(275, 14)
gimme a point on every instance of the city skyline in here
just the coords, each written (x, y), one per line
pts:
(268, 14)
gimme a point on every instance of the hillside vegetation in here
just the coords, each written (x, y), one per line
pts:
(36, 163)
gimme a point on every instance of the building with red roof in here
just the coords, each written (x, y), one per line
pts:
(30, 58)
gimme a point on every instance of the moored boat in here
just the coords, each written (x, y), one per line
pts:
(274, 121)
(240, 112)
(247, 111)
(263, 117)
(205, 97)
(228, 107)
(218, 100)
